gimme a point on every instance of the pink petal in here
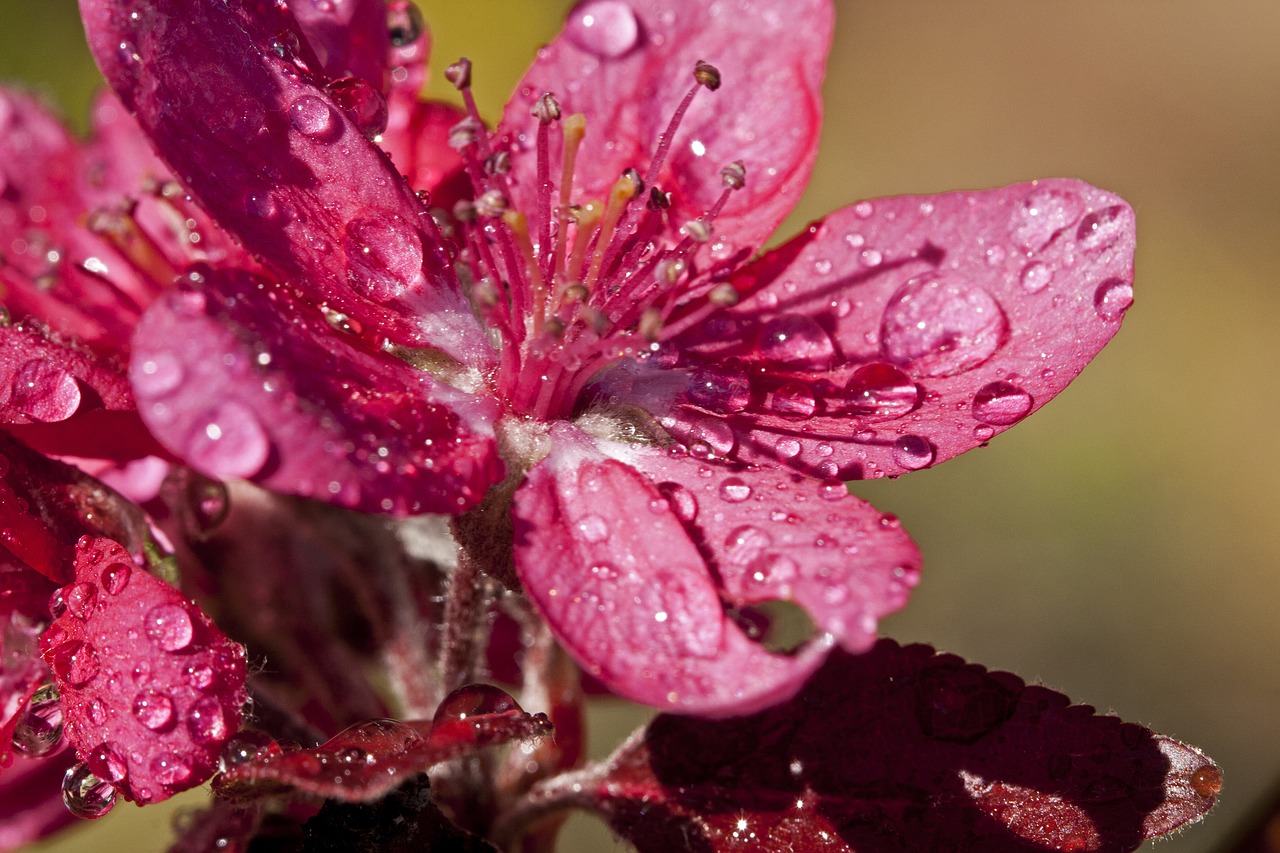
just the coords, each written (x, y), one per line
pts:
(905, 749)
(24, 596)
(348, 38)
(627, 66)
(280, 164)
(368, 760)
(604, 556)
(775, 536)
(32, 805)
(150, 688)
(902, 332)
(241, 381)
(419, 146)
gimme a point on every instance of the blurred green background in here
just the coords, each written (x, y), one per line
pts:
(1121, 545)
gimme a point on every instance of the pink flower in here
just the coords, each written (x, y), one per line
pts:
(588, 340)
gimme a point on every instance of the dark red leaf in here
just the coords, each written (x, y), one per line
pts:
(366, 761)
(904, 749)
(150, 688)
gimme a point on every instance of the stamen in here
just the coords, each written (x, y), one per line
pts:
(588, 215)
(121, 229)
(574, 129)
(650, 325)
(459, 74)
(625, 189)
(704, 75)
(519, 226)
(547, 110)
(491, 204)
(707, 75)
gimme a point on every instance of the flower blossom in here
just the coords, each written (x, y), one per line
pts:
(563, 332)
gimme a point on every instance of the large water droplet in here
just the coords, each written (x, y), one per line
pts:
(1036, 276)
(154, 709)
(362, 103)
(44, 392)
(39, 730)
(1043, 214)
(81, 598)
(962, 705)
(404, 23)
(107, 763)
(1101, 229)
(156, 376)
(206, 720)
(734, 490)
(115, 578)
(880, 390)
(793, 400)
(85, 795)
(170, 769)
(315, 118)
(473, 700)
(1001, 403)
(75, 662)
(796, 340)
(169, 627)
(384, 256)
(941, 327)
(719, 390)
(606, 28)
(1207, 781)
(231, 442)
(913, 452)
(746, 543)
(682, 501)
(1112, 298)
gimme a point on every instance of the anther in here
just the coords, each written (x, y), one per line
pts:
(498, 164)
(637, 183)
(658, 200)
(485, 293)
(573, 292)
(671, 270)
(554, 327)
(707, 75)
(650, 326)
(734, 175)
(546, 109)
(464, 211)
(696, 230)
(491, 204)
(723, 295)
(464, 134)
(459, 74)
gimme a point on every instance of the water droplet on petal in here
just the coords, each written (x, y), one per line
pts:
(1101, 229)
(882, 390)
(1036, 276)
(474, 700)
(1000, 403)
(734, 490)
(795, 339)
(263, 205)
(404, 23)
(39, 730)
(170, 769)
(719, 390)
(156, 376)
(107, 763)
(44, 392)
(793, 400)
(1207, 781)
(206, 720)
(231, 442)
(384, 256)
(592, 528)
(115, 578)
(682, 501)
(913, 452)
(57, 604)
(1044, 213)
(246, 746)
(983, 433)
(84, 794)
(1112, 298)
(81, 598)
(75, 662)
(96, 712)
(169, 627)
(606, 28)
(199, 676)
(604, 572)
(962, 705)
(362, 103)
(940, 327)
(787, 448)
(745, 544)
(154, 709)
(315, 118)
(833, 490)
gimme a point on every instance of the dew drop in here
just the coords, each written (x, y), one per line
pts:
(604, 572)
(1112, 298)
(745, 544)
(75, 662)
(231, 442)
(962, 705)
(474, 700)
(57, 604)
(772, 570)
(44, 392)
(115, 578)
(938, 327)
(384, 256)
(199, 676)
(244, 747)
(315, 118)
(681, 499)
(84, 794)
(913, 452)
(797, 340)
(96, 712)
(734, 490)
(362, 103)
(1102, 229)
(1207, 781)
(605, 28)
(1036, 276)
(156, 376)
(169, 627)
(881, 390)
(863, 210)
(404, 23)
(592, 528)
(209, 504)
(833, 490)
(719, 390)
(793, 400)
(154, 709)
(262, 205)
(39, 731)
(170, 769)
(81, 598)
(983, 433)
(787, 448)
(107, 763)
(1043, 214)
(1001, 403)
(206, 720)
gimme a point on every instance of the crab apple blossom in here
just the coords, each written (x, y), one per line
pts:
(294, 313)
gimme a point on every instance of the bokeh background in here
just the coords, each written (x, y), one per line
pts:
(1122, 545)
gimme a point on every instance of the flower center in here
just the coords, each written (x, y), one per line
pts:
(574, 284)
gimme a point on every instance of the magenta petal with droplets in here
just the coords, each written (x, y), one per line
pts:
(898, 333)
(242, 381)
(627, 66)
(902, 748)
(280, 162)
(150, 688)
(604, 555)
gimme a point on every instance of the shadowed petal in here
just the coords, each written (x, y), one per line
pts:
(899, 333)
(32, 805)
(604, 556)
(348, 38)
(242, 380)
(281, 163)
(627, 66)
